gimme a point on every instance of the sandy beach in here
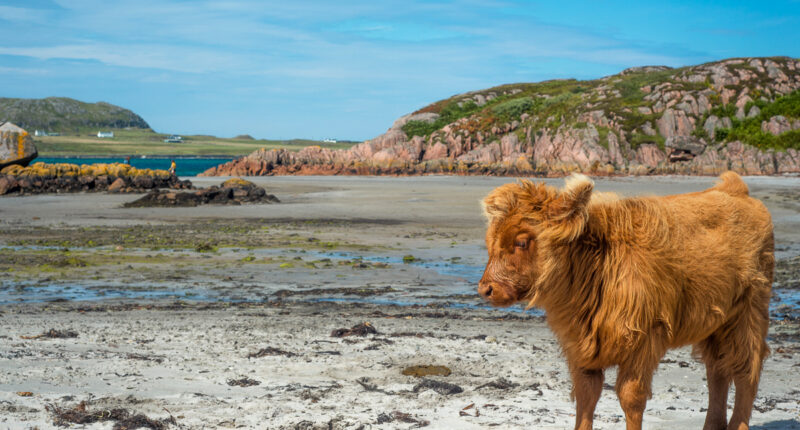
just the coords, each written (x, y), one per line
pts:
(224, 316)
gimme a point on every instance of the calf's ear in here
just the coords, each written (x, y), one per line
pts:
(500, 201)
(567, 214)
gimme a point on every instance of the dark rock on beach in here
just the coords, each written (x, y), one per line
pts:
(232, 192)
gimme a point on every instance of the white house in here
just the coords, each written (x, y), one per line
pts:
(104, 134)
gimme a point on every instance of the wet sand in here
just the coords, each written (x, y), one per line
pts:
(168, 303)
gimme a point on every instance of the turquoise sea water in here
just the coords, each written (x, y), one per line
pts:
(185, 166)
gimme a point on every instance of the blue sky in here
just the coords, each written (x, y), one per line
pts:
(347, 69)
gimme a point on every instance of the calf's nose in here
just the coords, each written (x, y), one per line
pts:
(485, 290)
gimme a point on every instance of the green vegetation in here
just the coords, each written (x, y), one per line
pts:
(139, 141)
(603, 133)
(450, 113)
(749, 130)
(629, 85)
(556, 99)
(637, 139)
(513, 108)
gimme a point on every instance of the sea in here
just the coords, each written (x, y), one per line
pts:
(184, 166)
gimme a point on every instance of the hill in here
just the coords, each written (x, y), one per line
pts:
(76, 124)
(741, 114)
(66, 115)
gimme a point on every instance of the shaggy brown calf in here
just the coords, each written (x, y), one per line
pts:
(624, 280)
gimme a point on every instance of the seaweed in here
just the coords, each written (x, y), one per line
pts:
(444, 388)
(244, 381)
(124, 419)
(54, 334)
(263, 352)
(362, 329)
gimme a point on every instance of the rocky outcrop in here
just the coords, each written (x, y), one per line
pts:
(70, 178)
(16, 146)
(649, 120)
(234, 191)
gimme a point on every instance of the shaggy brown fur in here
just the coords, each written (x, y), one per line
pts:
(624, 280)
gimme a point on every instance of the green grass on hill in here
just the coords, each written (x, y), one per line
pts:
(749, 130)
(147, 142)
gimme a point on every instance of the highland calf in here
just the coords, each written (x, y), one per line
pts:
(622, 280)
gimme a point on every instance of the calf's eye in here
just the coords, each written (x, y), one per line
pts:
(521, 243)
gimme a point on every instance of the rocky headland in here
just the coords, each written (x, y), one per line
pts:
(739, 114)
(41, 178)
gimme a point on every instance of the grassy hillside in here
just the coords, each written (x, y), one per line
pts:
(630, 102)
(135, 141)
(65, 115)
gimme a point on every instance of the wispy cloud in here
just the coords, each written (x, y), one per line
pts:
(138, 56)
(16, 14)
(24, 71)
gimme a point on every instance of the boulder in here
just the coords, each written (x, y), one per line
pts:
(674, 123)
(8, 184)
(776, 125)
(711, 125)
(145, 182)
(649, 155)
(117, 186)
(16, 146)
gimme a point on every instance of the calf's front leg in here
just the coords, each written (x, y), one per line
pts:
(587, 384)
(633, 390)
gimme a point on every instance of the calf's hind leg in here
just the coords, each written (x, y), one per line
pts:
(736, 351)
(719, 382)
(746, 375)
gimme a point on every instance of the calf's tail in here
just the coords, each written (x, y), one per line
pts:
(732, 184)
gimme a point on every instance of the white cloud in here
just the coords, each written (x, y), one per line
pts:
(138, 56)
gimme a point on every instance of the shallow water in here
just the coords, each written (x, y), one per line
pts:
(455, 288)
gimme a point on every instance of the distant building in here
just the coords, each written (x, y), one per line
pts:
(105, 134)
(173, 139)
(329, 140)
(41, 133)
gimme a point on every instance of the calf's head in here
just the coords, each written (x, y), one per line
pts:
(525, 221)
